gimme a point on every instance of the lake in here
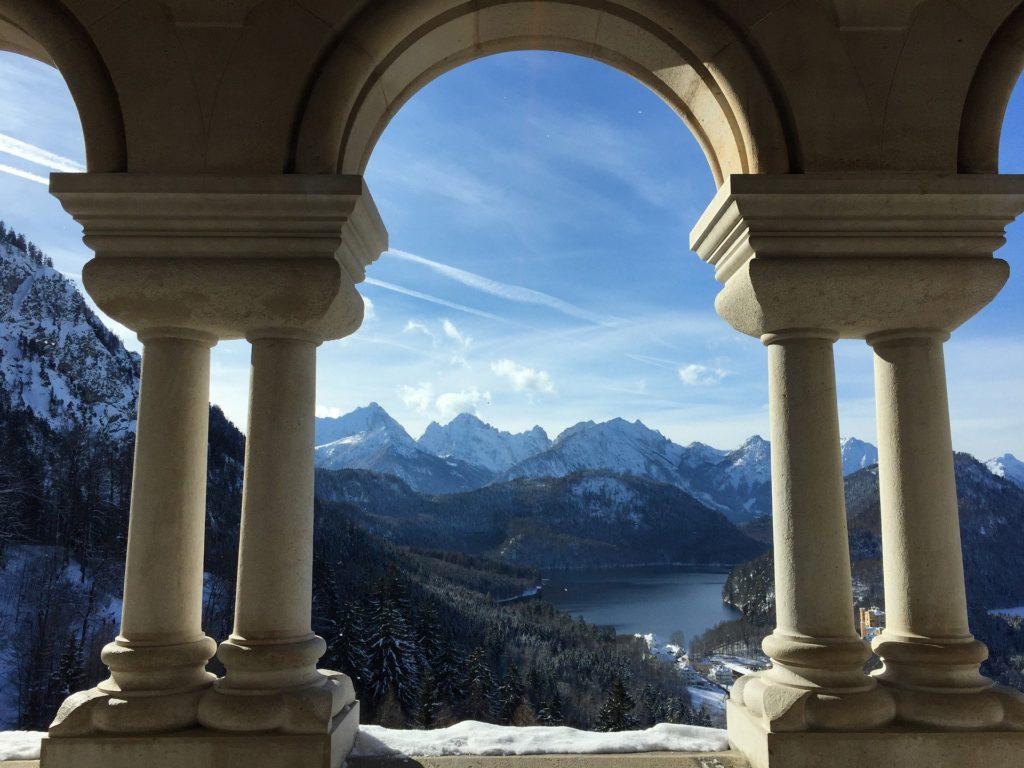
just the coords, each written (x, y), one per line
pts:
(658, 599)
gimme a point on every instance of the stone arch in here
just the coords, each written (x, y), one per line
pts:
(686, 53)
(49, 33)
(985, 108)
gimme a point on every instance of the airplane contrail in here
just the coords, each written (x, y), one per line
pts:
(432, 299)
(506, 291)
(37, 155)
(24, 174)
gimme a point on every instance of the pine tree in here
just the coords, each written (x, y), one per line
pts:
(393, 656)
(428, 701)
(478, 687)
(616, 713)
(510, 695)
(550, 712)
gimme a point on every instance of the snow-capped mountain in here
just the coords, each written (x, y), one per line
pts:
(467, 438)
(57, 359)
(627, 448)
(737, 483)
(1008, 466)
(857, 454)
(368, 438)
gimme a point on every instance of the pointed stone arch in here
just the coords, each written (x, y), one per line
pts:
(686, 53)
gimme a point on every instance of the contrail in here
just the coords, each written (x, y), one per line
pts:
(37, 155)
(431, 299)
(505, 290)
(24, 174)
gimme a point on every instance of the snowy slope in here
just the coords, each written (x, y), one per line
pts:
(56, 357)
(1008, 466)
(469, 439)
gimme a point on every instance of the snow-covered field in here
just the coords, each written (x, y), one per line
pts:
(474, 738)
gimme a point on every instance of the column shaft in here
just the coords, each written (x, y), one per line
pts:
(164, 566)
(275, 559)
(272, 683)
(929, 657)
(812, 561)
(924, 571)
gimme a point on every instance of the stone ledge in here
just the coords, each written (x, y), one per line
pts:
(639, 760)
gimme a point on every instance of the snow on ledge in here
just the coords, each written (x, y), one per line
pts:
(20, 745)
(481, 739)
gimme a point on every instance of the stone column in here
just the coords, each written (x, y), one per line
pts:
(862, 255)
(187, 260)
(157, 662)
(272, 683)
(930, 657)
(817, 678)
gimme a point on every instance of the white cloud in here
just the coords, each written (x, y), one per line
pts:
(455, 334)
(369, 311)
(524, 378)
(451, 404)
(328, 412)
(445, 406)
(696, 375)
(415, 326)
(506, 291)
(419, 398)
(37, 155)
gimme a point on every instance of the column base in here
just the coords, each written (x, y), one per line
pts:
(306, 709)
(98, 711)
(996, 708)
(937, 683)
(784, 708)
(906, 748)
(202, 748)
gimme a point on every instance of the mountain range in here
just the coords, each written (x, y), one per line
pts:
(468, 454)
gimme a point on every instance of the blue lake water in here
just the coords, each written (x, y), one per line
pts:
(658, 599)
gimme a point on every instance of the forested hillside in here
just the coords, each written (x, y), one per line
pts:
(589, 518)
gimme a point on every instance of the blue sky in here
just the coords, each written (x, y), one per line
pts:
(539, 207)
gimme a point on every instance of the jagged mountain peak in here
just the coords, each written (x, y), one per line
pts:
(469, 439)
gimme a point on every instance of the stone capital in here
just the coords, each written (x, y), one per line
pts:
(227, 256)
(857, 254)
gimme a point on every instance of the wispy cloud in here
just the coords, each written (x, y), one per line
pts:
(523, 378)
(505, 291)
(432, 299)
(23, 174)
(37, 155)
